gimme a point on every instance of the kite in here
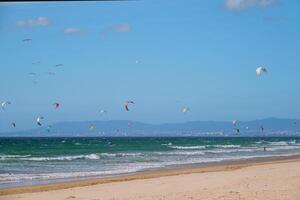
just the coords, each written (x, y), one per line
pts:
(56, 105)
(103, 111)
(262, 129)
(91, 127)
(185, 109)
(35, 63)
(4, 104)
(32, 74)
(126, 104)
(38, 121)
(13, 124)
(234, 122)
(51, 73)
(27, 40)
(110, 143)
(261, 70)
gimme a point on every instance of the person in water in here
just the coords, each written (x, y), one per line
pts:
(265, 148)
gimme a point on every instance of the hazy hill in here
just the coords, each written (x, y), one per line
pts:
(194, 128)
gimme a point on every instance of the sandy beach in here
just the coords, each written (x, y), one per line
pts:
(260, 179)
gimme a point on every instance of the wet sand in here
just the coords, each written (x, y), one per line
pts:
(265, 179)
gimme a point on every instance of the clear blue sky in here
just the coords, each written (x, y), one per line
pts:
(202, 54)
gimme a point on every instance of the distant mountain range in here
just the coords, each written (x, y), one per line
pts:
(272, 127)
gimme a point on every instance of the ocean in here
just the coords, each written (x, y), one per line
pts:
(30, 161)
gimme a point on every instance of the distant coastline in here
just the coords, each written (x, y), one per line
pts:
(124, 128)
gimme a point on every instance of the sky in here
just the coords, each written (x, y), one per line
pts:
(163, 55)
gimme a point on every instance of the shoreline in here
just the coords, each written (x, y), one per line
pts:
(154, 173)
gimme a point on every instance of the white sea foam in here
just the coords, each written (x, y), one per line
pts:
(93, 156)
(260, 142)
(168, 144)
(283, 143)
(129, 168)
(63, 158)
(6, 178)
(225, 146)
(120, 154)
(188, 147)
(216, 151)
(7, 157)
(280, 143)
(175, 153)
(221, 159)
(278, 148)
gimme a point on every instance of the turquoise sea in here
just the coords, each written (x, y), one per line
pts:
(28, 161)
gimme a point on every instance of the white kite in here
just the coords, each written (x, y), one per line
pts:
(4, 104)
(185, 109)
(261, 70)
(234, 122)
(38, 121)
(103, 112)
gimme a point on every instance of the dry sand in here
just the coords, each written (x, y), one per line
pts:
(259, 180)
